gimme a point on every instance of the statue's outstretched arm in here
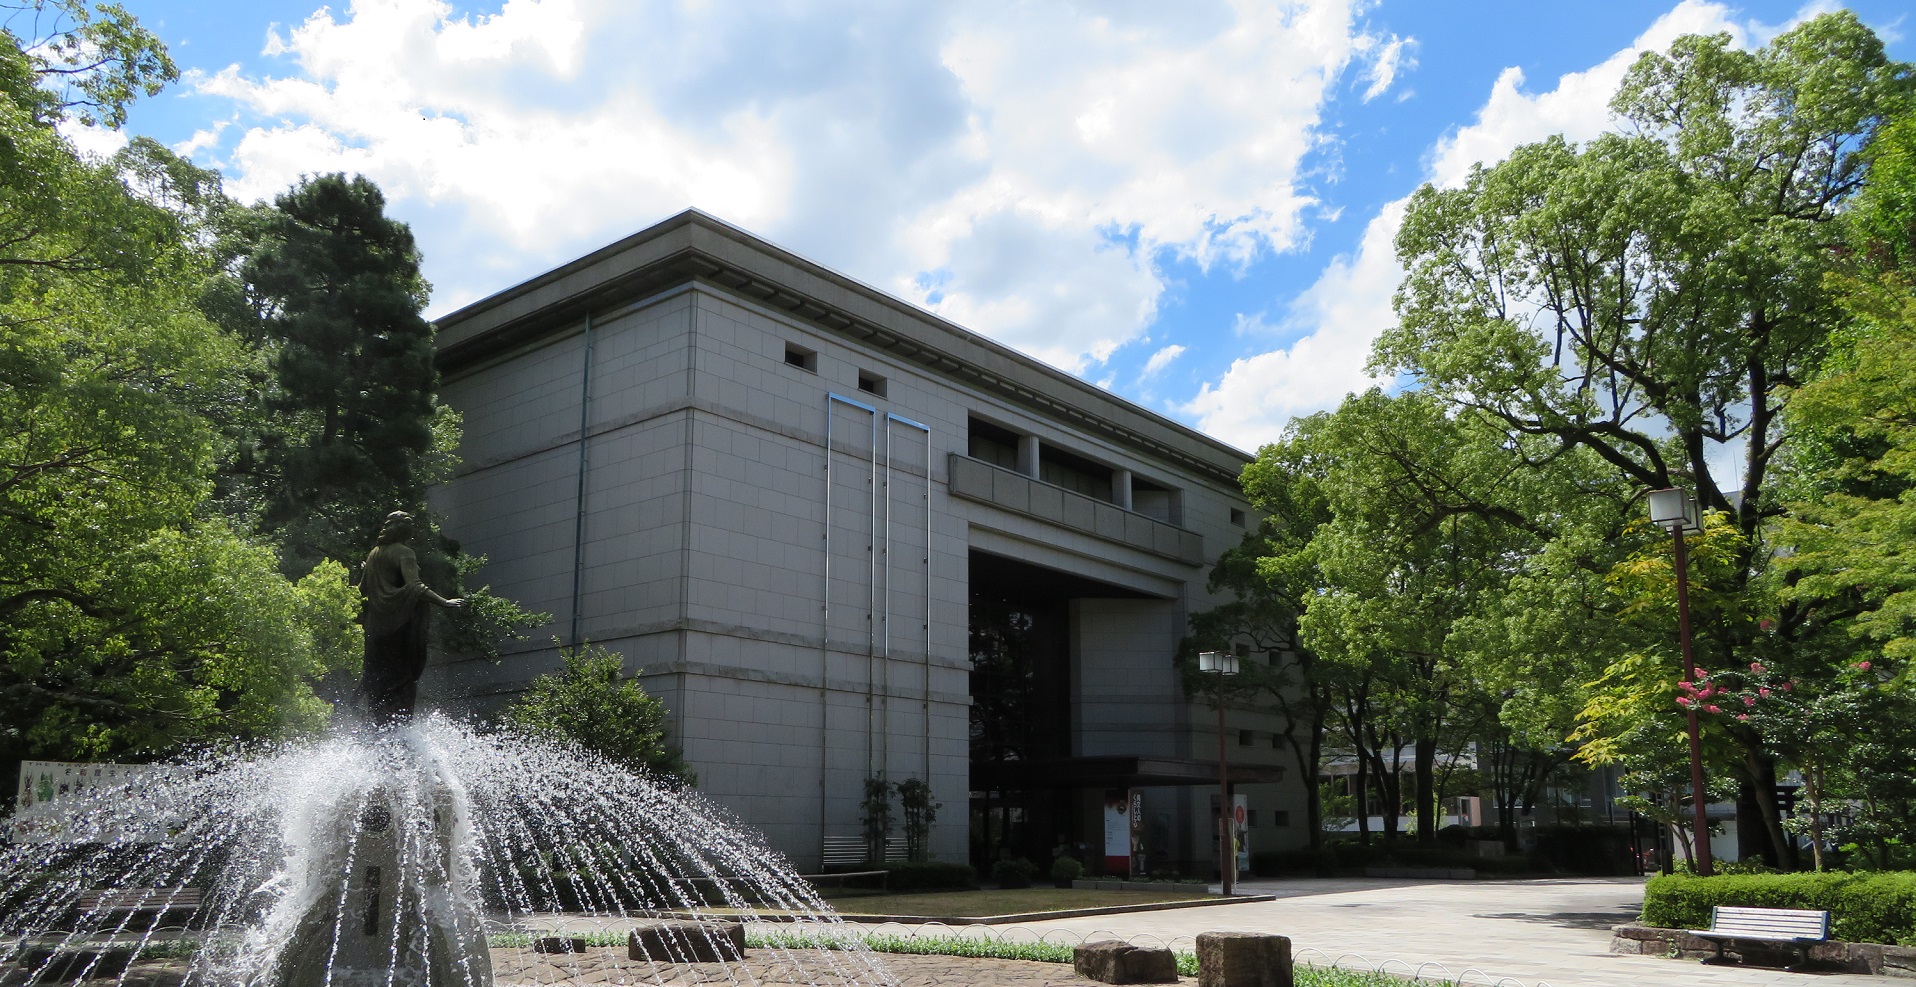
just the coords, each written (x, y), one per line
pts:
(409, 567)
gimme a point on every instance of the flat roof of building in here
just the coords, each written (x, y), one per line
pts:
(696, 246)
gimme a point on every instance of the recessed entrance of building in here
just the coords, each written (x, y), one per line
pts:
(1022, 706)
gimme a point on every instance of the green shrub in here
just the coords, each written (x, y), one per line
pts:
(1878, 907)
(1066, 869)
(1014, 872)
(928, 875)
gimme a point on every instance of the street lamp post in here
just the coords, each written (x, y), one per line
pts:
(1676, 511)
(1222, 663)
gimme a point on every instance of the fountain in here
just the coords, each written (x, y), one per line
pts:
(401, 851)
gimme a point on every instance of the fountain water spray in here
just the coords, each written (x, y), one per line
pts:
(390, 856)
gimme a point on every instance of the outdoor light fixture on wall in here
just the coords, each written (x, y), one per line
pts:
(1676, 511)
(1220, 664)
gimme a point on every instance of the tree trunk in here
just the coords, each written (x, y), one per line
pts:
(1361, 789)
(1425, 754)
(1313, 795)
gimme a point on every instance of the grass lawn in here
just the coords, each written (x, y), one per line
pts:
(977, 904)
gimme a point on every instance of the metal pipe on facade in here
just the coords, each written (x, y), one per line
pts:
(578, 520)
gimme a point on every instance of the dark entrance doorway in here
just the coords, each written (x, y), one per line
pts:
(1021, 705)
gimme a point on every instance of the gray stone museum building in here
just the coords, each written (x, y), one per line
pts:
(843, 538)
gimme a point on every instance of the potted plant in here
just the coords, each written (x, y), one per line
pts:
(1064, 870)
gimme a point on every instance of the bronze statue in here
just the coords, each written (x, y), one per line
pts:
(396, 619)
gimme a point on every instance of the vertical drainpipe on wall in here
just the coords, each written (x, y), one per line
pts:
(871, 617)
(926, 701)
(578, 520)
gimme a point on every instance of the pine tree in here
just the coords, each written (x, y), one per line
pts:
(340, 291)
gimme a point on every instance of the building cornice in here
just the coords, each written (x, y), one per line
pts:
(694, 246)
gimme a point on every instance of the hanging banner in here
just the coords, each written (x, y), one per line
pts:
(1137, 834)
(1240, 831)
(1117, 834)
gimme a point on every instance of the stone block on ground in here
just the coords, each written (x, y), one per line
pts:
(1244, 959)
(688, 942)
(560, 944)
(1114, 961)
(1899, 961)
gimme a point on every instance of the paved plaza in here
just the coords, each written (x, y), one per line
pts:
(1530, 933)
(1554, 932)
(1535, 932)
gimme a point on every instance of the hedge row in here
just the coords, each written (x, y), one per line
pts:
(926, 875)
(1863, 907)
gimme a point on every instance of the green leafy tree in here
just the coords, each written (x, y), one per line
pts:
(1423, 532)
(920, 811)
(132, 619)
(877, 817)
(1651, 296)
(1853, 512)
(1268, 575)
(591, 703)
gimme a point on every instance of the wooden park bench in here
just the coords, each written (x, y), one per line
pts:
(1799, 927)
(137, 909)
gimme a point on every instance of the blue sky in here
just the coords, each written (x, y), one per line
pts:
(1190, 204)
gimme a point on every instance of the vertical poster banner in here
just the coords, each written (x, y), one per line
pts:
(1117, 834)
(1240, 831)
(1137, 834)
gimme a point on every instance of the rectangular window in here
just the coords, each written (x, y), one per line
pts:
(1277, 741)
(994, 444)
(1074, 473)
(1280, 818)
(800, 357)
(871, 383)
(1237, 517)
(1250, 818)
(1155, 500)
(1244, 738)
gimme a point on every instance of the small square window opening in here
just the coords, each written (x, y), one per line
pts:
(800, 357)
(871, 383)
(1237, 517)
(1244, 738)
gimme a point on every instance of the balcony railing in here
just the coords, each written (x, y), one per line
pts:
(977, 480)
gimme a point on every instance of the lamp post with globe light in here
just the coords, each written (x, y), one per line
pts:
(1676, 511)
(1221, 664)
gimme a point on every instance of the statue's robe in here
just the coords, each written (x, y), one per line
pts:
(397, 617)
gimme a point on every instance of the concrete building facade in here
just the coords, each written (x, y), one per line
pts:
(843, 538)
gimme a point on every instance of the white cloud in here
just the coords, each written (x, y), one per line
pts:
(1338, 317)
(95, 141)
(1162, 359)
(1248, 323)
(1021, 168)
(202, 139)
(1387, 58)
